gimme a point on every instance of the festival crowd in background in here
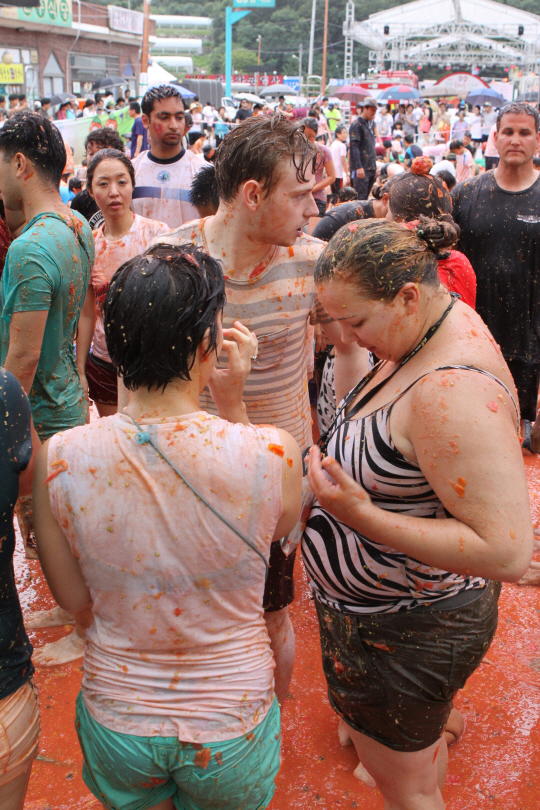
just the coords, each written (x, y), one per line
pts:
(224, 339)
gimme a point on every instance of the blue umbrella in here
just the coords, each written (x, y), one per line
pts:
(485, 94)
(399, 92)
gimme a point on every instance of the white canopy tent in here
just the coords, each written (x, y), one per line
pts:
(471, 33)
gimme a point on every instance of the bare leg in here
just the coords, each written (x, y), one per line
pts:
(12, 795)
(62, 651)
(408, 781)
(454, 727)
(280, 630)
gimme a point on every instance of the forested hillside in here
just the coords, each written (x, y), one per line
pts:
(282, 30)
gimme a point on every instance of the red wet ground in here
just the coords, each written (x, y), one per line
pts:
(495, 765)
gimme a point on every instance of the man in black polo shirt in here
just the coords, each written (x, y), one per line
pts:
(243, 112)
(362, 150)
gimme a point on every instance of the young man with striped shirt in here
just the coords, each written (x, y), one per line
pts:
(265, 177)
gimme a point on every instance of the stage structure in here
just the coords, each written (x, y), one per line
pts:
(470, 34)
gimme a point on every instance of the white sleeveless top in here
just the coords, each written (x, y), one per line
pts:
(178, 646)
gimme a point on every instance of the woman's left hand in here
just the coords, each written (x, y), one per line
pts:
(227, 384)
(341, 496)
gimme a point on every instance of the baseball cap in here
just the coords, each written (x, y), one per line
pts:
(487, 104)
(370, 102)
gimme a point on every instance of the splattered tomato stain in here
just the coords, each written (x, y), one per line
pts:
(278, 449)
(177, 611)
(290, 462)
(202, 758)
(492, 406)
(62, 467)
(460, 486)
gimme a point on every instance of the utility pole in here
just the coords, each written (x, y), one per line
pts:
(312, 37)
(325, 42)
(259, 39)
(301, 53)
(143, 80)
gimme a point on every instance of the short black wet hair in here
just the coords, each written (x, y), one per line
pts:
(75, 184)
(456, 144)
(409, 138)
(203, 190)
(106, 138)
(519, 108)
(448, 178)
(157, 312)
(160, 93)
(37, 138)
(134, 105)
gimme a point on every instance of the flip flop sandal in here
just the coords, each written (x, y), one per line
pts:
(527, 429)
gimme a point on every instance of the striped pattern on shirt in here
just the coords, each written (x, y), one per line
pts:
(276, 306)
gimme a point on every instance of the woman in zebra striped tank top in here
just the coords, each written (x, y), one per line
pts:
(421, 505)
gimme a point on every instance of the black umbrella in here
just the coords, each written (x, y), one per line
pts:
(61, 98)
(109, 81)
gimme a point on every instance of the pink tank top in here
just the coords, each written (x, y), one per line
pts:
(178, 646)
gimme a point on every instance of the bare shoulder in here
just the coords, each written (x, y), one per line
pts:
(292, 455)
(307, 247)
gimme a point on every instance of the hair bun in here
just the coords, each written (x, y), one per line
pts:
(438, 234)
(422, 165)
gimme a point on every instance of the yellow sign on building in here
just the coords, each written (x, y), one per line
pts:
(11, 74)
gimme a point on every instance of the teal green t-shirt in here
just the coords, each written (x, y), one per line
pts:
(48, 268)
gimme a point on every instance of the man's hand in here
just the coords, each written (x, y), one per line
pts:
(227, 385)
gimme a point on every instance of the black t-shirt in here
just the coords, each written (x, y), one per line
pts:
(334, 219)
(413, 150)
(242, 114)
(500, 235)
(84, 203)
(362, 146)
(16, 666)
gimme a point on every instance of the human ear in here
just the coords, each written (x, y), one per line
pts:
(145, 121)
(252, 193)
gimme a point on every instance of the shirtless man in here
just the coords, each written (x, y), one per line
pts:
(265, 177)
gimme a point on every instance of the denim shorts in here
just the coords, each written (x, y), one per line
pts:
(126, 772)
(393, 676)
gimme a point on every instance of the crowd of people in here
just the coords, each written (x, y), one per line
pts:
(267, 371)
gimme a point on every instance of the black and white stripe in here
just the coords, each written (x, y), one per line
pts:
(349, 572)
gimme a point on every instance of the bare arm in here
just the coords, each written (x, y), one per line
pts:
(330, 176)
(60, 567)
(291, 485)
(350, 366)
(452, 429)
(138, 145)
(25, 338)
(85, 333)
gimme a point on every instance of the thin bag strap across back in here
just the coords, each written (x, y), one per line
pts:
(143, 437)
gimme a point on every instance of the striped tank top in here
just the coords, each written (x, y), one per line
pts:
(275, 304)
(349, 572)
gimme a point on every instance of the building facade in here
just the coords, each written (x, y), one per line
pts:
(62, 47)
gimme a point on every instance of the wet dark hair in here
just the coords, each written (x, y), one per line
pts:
(519, 108)
(106, 138)
(346, 194)
(456, 144)
(37, 138)
(156, 313)
(413, 195)
(256, 150)
(75, 184)
(193, 137)
(160, 93)
(311, 123)
(448, 178)
(379, 257)
(134, 105)
(108, 154)
(204, 188)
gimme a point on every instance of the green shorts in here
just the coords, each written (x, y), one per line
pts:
(126, 772)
